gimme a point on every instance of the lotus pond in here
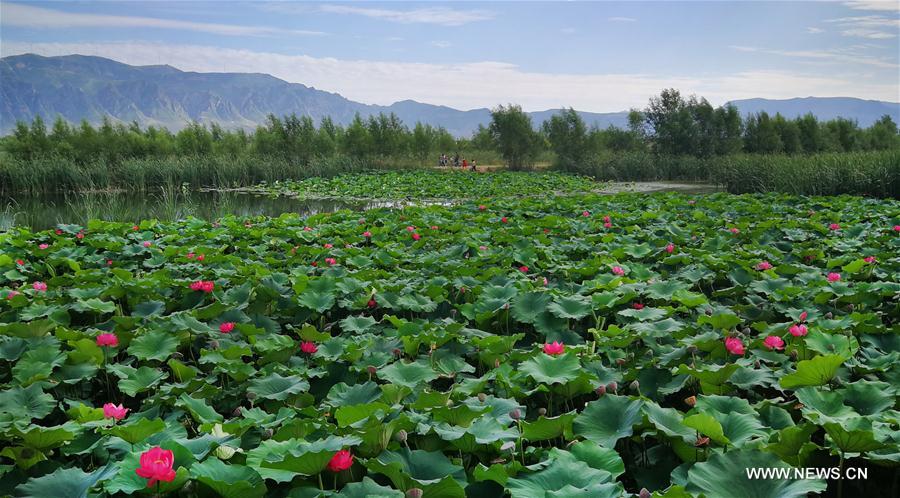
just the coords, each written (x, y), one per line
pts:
(579, 346)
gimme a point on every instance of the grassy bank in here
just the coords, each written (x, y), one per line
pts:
(875, 173)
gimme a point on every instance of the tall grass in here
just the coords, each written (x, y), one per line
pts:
(55, 174)
(875, 173)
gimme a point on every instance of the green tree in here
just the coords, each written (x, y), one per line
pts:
(513, 136)
(567, 135)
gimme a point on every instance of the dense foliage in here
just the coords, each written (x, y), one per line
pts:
(572, 346)
(434, 185)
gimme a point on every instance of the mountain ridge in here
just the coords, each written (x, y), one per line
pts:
(87, 87)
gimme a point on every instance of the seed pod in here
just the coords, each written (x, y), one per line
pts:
(692, 349)
(268, 434)
(414, 493)
(237, 412)
(635, 385)
(829, 315)
(690, 400)
(620, 361)
(746, 331)
(644, 493)
(371, 369)
(213, 344)
(542, 411)
(401, 436)
(482, 397)
(251, 396)
(708, 312)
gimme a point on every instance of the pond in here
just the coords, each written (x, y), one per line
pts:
(42, 212)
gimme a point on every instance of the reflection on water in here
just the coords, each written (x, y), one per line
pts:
(43, 212)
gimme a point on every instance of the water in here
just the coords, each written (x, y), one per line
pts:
(42, 212)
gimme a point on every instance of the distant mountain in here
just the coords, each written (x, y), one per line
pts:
(865, 112)
(80, 87)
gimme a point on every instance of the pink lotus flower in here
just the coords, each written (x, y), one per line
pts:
(206, 286)
(554, 348)
(12, 294)
(307, 229)
(773, 342)
(435, 227)
(109, 262)
(189, 255)
(482, 207)
(734, 346)
(108, 340)
(308, 347)
(372, 303)
(834, 277)
(147, 243)
(834, 226)
(135, 228)
(367, 234)
(798, 330)
(692, 202)
(416, 236)
(226, 327)
(546, 281)
(637, 306)
(897, 228)
(328, 246)
(79, 235)
(117, 412)
(201, 257)
(482, 248)
(763, 265)
(670, 248)
(156, 465)
(39, 286)
(58, 231)
(869, 259)
(523, 269)
(617, 270)
(607, 225)
(606, 219)
(342, 460)
(585, 213)
(331, 261)
(734, 230)
(20, 262)
(43, 246)
(803, 316)
(504, 220)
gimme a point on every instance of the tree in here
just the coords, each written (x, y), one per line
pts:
(513, 136)
(810, 133)
(882, 134)
(568, 136)
(760, 135)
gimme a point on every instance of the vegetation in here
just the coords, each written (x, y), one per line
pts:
(574, 346)
(434, 185)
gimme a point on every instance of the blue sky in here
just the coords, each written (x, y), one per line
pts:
(595, 56)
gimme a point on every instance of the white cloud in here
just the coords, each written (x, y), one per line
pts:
(568, 31)
(868, 33)
(843, 57)
(814, 31)
(36, 17)
(441, 44)
(621, 19)
(444, 16)
(891, 5)
(872, 27)
(476, 84)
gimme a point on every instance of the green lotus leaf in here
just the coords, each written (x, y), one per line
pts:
(410, 375)
(608, 419)
(598, 457)
(545, 428)
(26, 404)
(571, 307)
(229, 481)
(815, 372)
(565, 476)
(707, 425)
(528, 306)
(725, 474)
(548, 369)
(853, 436)
(137, 380)
(357, 324)
(274, 386)
(135, 431)
(155, 345)
(198, 408)
(367, 488)
(430, 471)
(64, 482)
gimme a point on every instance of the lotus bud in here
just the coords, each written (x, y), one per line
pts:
(746, 331)
(237, 412)
(371, 369)
(635, 385)
(515, 414)
(756, 364)
(397, 352)
(268, 434)
(401, 436)
(414, 493)
(692, 349)
(829, 315)
(794, 354)
(453, 313)
(851, 307)
(600, 390)
(213, 344)
(251, 396)
(612, 387)
(702, 441)
(690, 400)
(509, 445)
(482, 397)
(449, 402)
(177, 355)
(620, 361)
(497, 363)
(542, 411)
(644, 493)
(708, 312)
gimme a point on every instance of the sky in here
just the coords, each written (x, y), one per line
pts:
(593, 56)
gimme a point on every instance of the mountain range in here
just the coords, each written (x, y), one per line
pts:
(80, 87)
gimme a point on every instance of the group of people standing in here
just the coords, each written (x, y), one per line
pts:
(445, 160)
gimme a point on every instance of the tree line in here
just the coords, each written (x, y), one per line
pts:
(671, 125)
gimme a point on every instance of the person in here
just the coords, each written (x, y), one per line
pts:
(456, 160)
(465, 165)
(474, 168)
